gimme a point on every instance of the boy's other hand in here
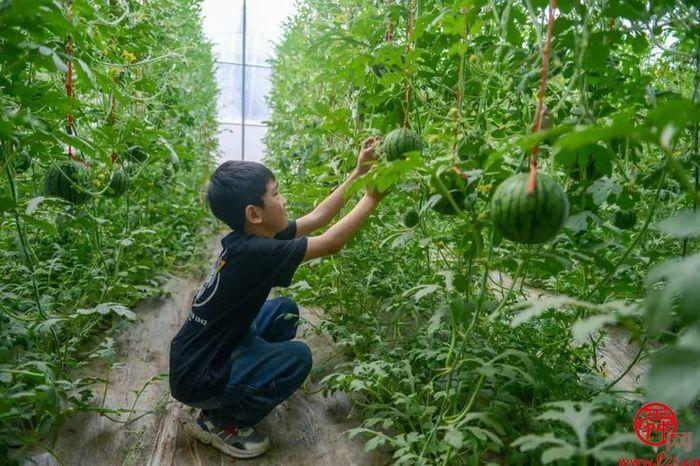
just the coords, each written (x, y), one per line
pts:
(367, 156)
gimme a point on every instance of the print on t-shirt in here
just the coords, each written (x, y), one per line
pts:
(211, 284)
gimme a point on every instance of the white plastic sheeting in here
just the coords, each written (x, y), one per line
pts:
(223, 25)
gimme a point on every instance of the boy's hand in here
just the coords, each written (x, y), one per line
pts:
(367, 156)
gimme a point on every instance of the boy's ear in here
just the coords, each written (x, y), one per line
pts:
(252, 213)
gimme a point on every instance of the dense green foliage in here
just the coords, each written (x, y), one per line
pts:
(450, 364)
(72, 258)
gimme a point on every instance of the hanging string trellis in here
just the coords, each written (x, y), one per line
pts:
(70, 88)
(537, 125)
(407, 79)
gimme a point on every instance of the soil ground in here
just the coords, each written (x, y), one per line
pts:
(307, 429)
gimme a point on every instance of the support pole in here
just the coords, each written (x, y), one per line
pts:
(243, 67)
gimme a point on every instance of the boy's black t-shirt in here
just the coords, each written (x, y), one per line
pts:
(225, 307)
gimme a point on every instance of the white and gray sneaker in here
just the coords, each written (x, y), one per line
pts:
(239, 442)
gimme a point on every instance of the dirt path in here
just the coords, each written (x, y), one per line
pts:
(614, 354)
(307, 429)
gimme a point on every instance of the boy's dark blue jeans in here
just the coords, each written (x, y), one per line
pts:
(266, 368)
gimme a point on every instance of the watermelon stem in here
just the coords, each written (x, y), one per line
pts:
(29, 255)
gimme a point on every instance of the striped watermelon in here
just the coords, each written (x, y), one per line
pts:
(625, 219)
(118, 184)
(23, 162)
(457, 188)
(136, 154)
(68, 180)
(400, 141)
(529, 218)
(411, 218)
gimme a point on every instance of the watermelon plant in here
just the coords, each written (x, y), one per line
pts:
(476, 337)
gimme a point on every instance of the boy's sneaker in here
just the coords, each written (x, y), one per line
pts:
(239, 442)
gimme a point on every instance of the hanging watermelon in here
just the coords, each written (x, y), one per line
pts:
(136, 154)
(411, 218)
(23, 162)
(399, 142)
(68, 180)
(529, 218)
(118, 184)
(625, 219)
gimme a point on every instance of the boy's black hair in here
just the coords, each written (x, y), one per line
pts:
(235, 185)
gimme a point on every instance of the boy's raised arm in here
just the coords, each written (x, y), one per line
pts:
(330, 206)
(339, 234)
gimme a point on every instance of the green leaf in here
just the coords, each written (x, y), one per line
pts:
(484, 434)
(603, 188)
(558, 453)
(602, 453)
(106, 308)
(679, 113)
(583, 329)
(579, 416)
(47, 227)
(684, 224)
(60, 66)
(33, 204)
(675, 280)
(436, 318)
(673, 378)
(374, 442)
(6, 203)
(423, 291)
(690, 338)
(454, 438)
(530, 441)
(537, 306)
(46, 325)
(579, 222)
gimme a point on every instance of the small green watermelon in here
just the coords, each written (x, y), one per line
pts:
(456, 186)
(118, 184)
(400, 141)
(23, 162)
(136, 154)
(625, 219)
(69, 180)
(411, 218)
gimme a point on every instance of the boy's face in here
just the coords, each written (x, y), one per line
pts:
(274, 214)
